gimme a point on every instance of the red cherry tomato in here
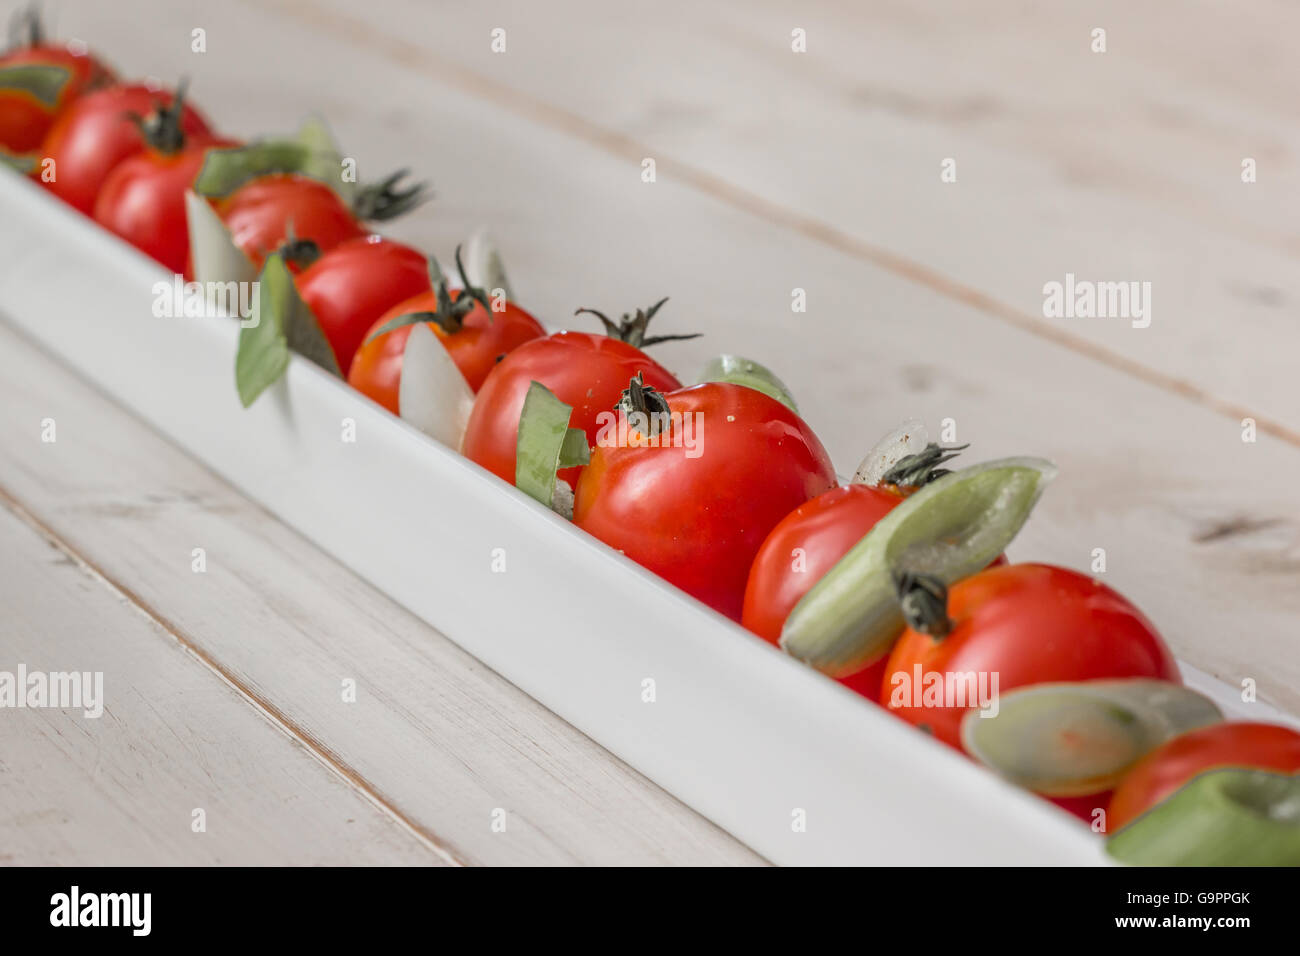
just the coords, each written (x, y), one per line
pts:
(1083, 807)
(697, 517)
(95, 133)
(356, 282)
(1157, 775)
(1026, 624)
(483, 339)
(24, 120)
(587, 372)
(805, 545)
(261, 213)
(867, 682)
(143, 200)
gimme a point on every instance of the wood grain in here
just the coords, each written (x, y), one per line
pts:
(173, 737)
(1119, 165)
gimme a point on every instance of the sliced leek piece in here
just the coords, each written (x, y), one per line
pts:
(743, 371)
(1072, 739)
(1229, 817)
(948, 530)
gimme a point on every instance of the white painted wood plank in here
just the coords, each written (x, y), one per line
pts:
(173, 737)
(433, 733)
(1117, 166)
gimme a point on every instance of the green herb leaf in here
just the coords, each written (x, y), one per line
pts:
(285, 324)
(575, 451)
(316, 136)
(225, 170)
(23, 163)
(44, 83)
(948, 530)
(546, 443)
(312, 153)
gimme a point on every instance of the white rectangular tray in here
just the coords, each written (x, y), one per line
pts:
(738, 731)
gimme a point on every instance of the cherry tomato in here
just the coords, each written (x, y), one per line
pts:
(866, 682)
(24, 120)
(261, 214)
(356, 282)
(697, 516)
(476, 342)
(95, 133)
(805, 545)
(1161, 772)
(588, 372)
(1083, 807)
(1026, 624)
(143, 200)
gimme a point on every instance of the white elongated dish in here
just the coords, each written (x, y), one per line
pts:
(746, 736)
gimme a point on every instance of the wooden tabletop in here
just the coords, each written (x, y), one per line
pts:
(828, 171)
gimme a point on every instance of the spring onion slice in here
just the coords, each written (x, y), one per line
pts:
(743, 371)
(1228, 817)
(1072, 739)
(948, 530)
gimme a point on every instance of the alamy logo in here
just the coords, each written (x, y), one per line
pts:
(58, 690)
(179, 299)
(978, 689)
(1085, 299)
(656, 429)
(74, 908)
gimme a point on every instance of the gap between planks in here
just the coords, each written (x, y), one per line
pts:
(269, 711)
(410, 54)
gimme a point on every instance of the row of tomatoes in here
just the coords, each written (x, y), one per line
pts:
(748, 528)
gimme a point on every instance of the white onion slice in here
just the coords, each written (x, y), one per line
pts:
(483, 265)
(213, 253)
(433, 394)
(908, 438)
